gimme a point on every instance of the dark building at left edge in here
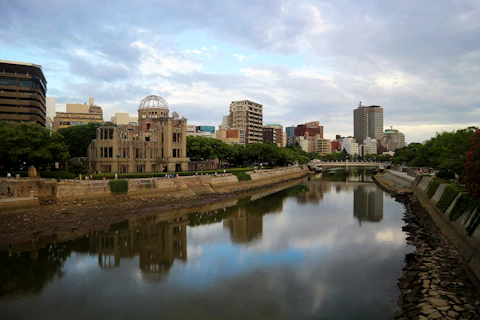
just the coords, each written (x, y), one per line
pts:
(23, 89)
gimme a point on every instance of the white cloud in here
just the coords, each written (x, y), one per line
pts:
(239, 57)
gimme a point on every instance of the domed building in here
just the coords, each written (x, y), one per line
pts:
(157, 144)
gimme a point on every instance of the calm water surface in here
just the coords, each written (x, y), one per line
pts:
(318, 250)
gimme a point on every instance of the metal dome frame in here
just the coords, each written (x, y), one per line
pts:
(153, 101)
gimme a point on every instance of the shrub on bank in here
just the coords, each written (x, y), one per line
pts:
(44, 174)
(460, 207)
(445, 174)
(433, 186)
(118, 186)
(242, 176)
(449, 194)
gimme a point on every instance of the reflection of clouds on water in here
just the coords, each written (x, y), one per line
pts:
(308, 261)
(392, 235)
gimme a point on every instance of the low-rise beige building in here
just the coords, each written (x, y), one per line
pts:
(78, 114)
(124, 118)
(157, 144)
(231, 136)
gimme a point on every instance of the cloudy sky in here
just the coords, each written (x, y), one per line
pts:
(303, 60)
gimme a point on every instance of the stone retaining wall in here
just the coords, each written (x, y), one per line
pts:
(181, 186)
(468, 246)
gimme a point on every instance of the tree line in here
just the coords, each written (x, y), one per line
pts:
(456, 152)
(202, 148)
(447, 151)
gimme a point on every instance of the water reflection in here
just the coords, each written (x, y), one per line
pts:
(156, 243)
(368, 203)
(294, 253)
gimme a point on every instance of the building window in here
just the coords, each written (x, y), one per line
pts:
(148, 126)
(174, 153)
(147, 138)
(110, 152)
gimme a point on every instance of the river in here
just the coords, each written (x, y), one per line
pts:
(319, 249)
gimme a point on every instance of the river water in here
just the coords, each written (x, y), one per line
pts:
(319, 249)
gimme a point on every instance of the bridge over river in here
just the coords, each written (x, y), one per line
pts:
(322, 166)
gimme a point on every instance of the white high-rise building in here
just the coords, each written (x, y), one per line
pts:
(369, 146)
(50, 114)
(350, 145)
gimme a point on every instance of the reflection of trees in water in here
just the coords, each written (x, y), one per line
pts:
(29, 272)
(157, 244)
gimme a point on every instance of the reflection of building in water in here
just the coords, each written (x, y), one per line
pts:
(243, 227)
(314, 194)
(156, 243)
(360, 176)
(368, 203)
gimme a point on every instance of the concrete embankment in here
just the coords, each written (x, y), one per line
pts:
(436, 283)
(30, 192)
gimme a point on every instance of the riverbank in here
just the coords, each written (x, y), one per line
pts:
(77, 216)
(435, 283)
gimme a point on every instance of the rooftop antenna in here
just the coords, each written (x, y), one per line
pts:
(360, 104)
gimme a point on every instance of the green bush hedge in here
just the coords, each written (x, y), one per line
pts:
(460, 206)
(44, 174)
(242, 176)
(433, 186)
(118, 186)
(449, 194)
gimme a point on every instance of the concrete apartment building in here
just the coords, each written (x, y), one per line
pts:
(231, 136)
(274, 133)
(368, 122)
(323, 146)
(78, 114)
(247, 116)
(23, 90)
(157, 144)
(124, 118)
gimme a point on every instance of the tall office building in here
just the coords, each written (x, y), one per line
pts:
(368, 122)
(23, 90)
(247, 116)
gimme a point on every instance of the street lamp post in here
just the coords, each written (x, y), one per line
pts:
(118, 163)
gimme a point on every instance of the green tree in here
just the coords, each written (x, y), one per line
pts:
(79, 137)
(471, 175)
(30, 144)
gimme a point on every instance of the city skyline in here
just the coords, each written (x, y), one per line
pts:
(303, 61)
